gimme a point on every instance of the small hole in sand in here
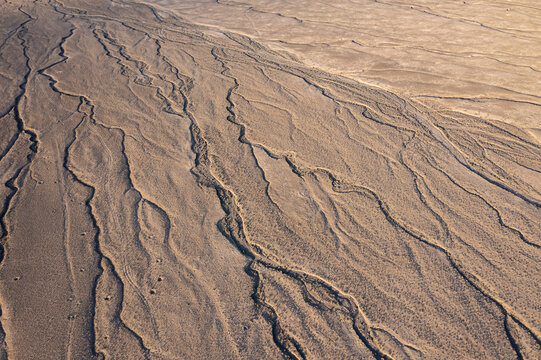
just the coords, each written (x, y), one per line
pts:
(108, 297)
(17, 278)
(160, 278)
(153, 291)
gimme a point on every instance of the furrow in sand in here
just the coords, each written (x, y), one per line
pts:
(498, 127)
(98, 248)
(360, 323)
(21, 171)
(453, 149)
(106, 40)
(124, 264)
(492, 207)
(245, 248)
(449, 234)
(475, 153)
(408, 111)
(506, 155)
(338, 186)
(471, 279)
(16, 30)
(478, 99)
(87, 116)
(12, 140)
(383, 206)
(94, 224)
(232, 225)
(473, 282)
(20, 127)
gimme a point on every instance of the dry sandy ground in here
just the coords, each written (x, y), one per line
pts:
(266, 179)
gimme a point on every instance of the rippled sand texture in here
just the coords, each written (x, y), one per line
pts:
(178, 188)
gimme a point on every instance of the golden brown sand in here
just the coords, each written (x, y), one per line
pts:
(270, 179)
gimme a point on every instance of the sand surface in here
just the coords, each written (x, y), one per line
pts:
(264, 179)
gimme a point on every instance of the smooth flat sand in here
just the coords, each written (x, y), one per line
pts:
(270, 179)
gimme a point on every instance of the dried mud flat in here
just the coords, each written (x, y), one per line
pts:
(270, 179)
